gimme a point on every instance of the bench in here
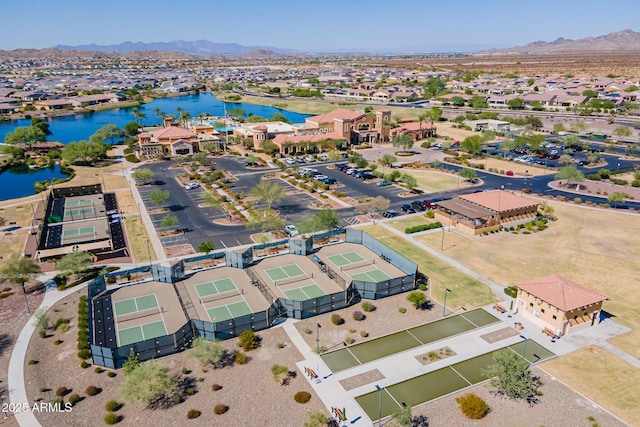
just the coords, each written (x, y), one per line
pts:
(550, 333)
(500, 308)
(273, 251)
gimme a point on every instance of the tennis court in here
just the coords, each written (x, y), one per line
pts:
(374, 276)
(80, 211)
(441, 382)
(346, 258)
(278, 274)
(215, 287)
(142, 332)
(136, 304)
(387, 345)
(304, 293)
(77, 203)
(76, 232)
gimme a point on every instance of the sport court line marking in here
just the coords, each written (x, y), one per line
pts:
(394, 399)
(462, 315)
(459, 374)
(519, 354)
(354, 356)
(416, 338)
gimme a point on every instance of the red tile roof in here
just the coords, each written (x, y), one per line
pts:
(498, 200)
(282, 139)
(173, 132)
(560, 292)
(340, 114)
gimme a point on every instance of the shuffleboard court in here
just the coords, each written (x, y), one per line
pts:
(441, 382)
(387, 345)
(142, 332)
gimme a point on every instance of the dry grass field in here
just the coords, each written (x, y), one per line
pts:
(138, 240)
(519, 169)
(430, 181)
(603, 378)
(21, 215)
(467, 291)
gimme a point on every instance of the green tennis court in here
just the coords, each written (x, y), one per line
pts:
(279, 273)
(432, 385)
(374, 276)
(77, 203)
(133, 305)
(82, 231)
(215, 287)
(387, 345)
(141, 332)
(229, 311)
(346, 258)
(305, 293)
(76, 212)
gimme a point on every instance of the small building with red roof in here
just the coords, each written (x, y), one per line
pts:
(558, 304)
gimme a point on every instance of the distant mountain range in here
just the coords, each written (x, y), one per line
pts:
(196, 48)
(625, 40)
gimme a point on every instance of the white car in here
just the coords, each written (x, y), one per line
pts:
(309, 159)
(320, 177)
(290, 161)
(191, 186)
(291, 230)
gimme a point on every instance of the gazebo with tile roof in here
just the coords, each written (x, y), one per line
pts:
(558, 303)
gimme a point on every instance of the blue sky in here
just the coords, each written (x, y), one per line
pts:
(314, 26)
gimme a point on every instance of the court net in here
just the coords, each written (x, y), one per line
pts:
(357, 264)
(220, 296)
(293, 279)
(139, 314)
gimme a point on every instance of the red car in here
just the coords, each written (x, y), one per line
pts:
(509, 173)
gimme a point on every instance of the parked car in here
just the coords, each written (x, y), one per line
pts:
(291, 230)
(342, 167)
(191, 186)
(300, 160)
(345, 156)
(429, 204)
(309, 159)
(582, 163)
(509, 173)
(329, 181)
(323, 157)
(390, 213)
(383, 183)
(320, 177)
(290, 161)
(351, 171)
(418, 206)
(407, 208)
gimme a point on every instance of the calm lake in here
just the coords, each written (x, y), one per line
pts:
(18, 182)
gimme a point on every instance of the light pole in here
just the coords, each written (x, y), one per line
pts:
(524, 349)
(379, 405)
(318, 338)
(444, 306)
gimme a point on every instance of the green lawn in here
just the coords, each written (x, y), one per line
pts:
(464, 289)
(401, 224)
(431, 181)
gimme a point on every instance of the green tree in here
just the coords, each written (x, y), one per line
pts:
(571, 174)
(159, 197)
(84, 152)
(578, 126)
(265, 220)
(387, 160)
(206, 352)
(206, 247)
(148, 382)
(139, 115)
(237, 113)
(334, 155)
(478, 102)
(108, 132)
(535, 141)
(2, 221)
(268, 192)
(558, 127)
(248, 340)
(590, 93)
(25, 135)
(472, 144)
(133, 360)
(144, 174)
(622, 132)
(617, 197)
(280, 373)
(468, 174)
(42, 124)
(75, 262)
(458, 101)
(403, 417)
(516, 103)
(409, 181)
(417, 298)
(509, 376)
(19, 270)
(565, 159)
(169, 221)
(403, 141)
(326, 219)
(131, 128)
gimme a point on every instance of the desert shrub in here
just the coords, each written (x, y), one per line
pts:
(368, 307)
(364, 334)
(349, 340)
(308, 331)
(62, 391)
(336, 319)
(98, 370)
(352, 331)
(111, 374)
(241, 358)
(216, 387)
(248, 340)
(358, 315)
(281, 344)
(84, 364)
(473, 406)
(42, 333)
(430, 214)
(60, 321)
(422, 287)
(302, 397)
(112, 406)
(32, 362)
(402, 309)
(193, 413)
(220, 409)
(422, 227)
(43, 389)
(57, 342)
(190, 391)
(84, 354)
(185, 371)
(112, 418)
(74, 398)
(92, 390)
(58, 402)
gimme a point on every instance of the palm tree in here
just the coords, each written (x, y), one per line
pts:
(269, 192)
(19, 271)
(159, 115)
(179, 112)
